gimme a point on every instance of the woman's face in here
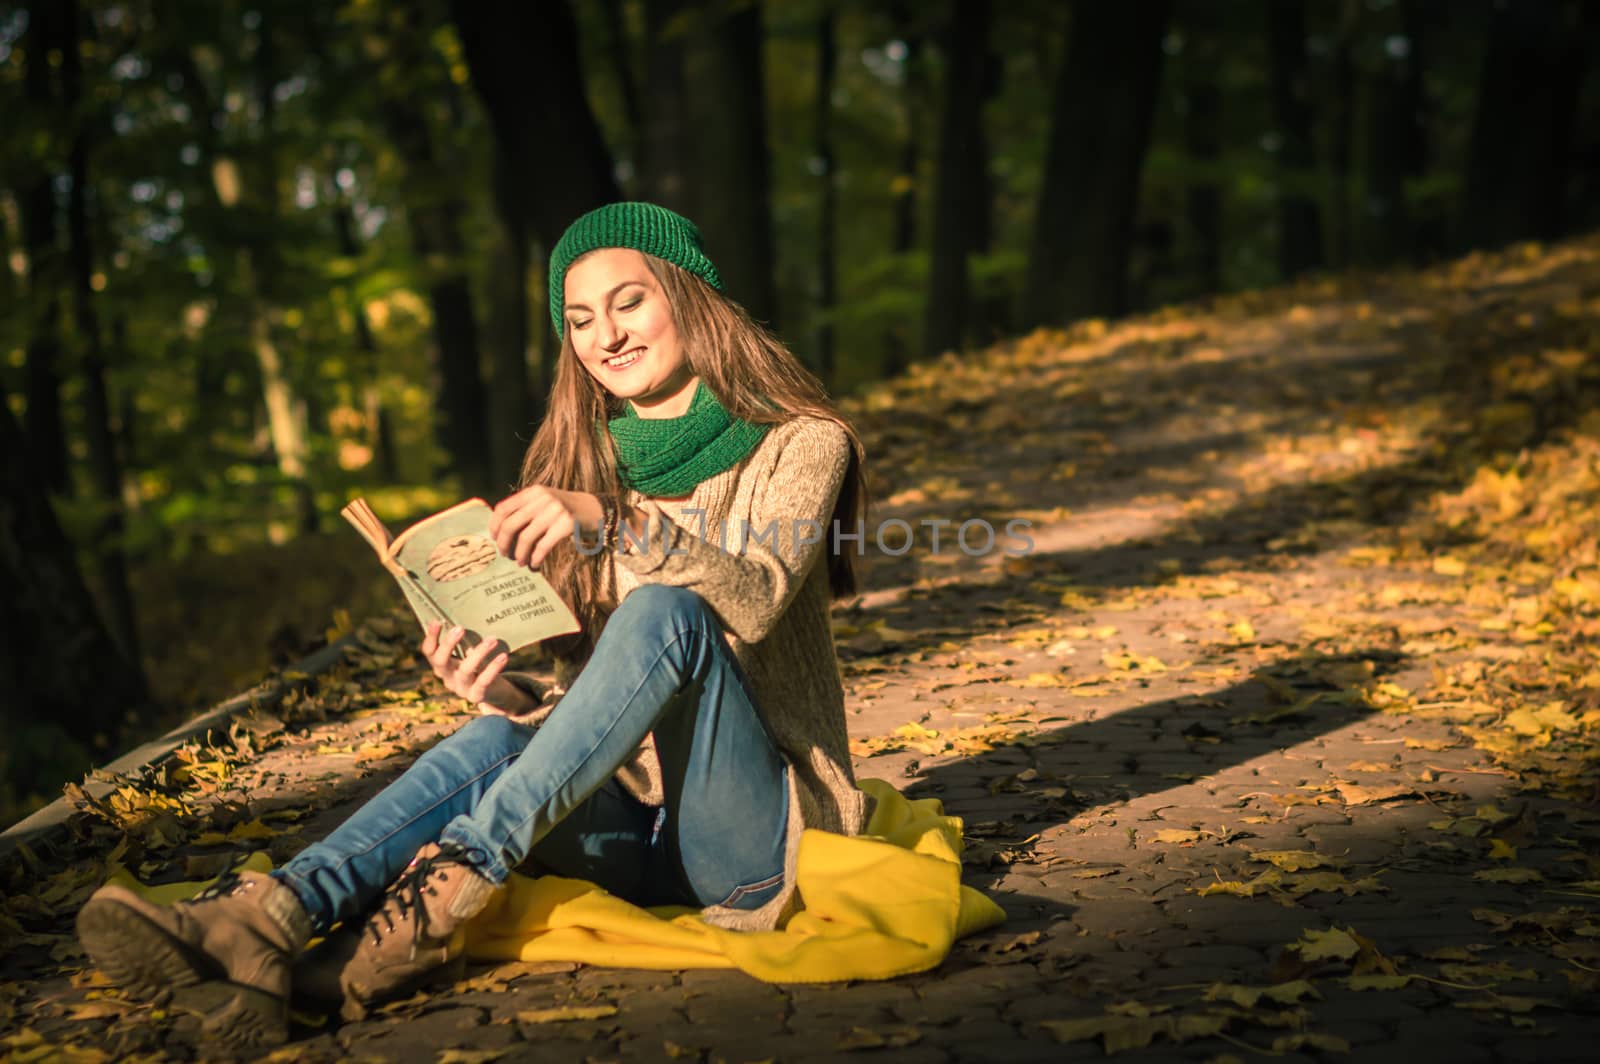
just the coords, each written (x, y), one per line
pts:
(622, 330)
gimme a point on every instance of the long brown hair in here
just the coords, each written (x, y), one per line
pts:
(750, 372)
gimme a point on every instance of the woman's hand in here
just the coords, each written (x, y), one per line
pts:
(527, 525)
(475, 677)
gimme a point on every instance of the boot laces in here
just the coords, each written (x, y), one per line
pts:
(405, 895)
(226, 884)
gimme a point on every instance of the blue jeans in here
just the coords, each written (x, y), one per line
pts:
(508, 793)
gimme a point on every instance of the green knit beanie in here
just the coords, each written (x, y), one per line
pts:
(644, 227)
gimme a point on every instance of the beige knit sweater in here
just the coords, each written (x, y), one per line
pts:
(771, 593)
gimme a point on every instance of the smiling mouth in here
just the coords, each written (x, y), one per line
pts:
(624, 360)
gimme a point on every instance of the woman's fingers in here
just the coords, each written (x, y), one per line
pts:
(478, 690)
(527, 525)
(440, 658)
(476, 657)
(515, 512)
(520, 524)
(465, 678)
(551, 513)
(558, 531)
(512, 503)
(508, 528)
(430, 639)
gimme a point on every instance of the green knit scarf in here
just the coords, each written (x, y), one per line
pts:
(667, 457)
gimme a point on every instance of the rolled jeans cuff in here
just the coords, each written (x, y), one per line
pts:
(482, 855)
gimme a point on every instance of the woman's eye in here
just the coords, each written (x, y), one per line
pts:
(582, 324)
(630, 304)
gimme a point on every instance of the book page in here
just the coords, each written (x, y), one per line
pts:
(457, 566)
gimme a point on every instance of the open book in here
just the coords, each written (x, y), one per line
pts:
(452, 572)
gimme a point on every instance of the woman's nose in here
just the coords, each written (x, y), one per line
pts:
(611, 335)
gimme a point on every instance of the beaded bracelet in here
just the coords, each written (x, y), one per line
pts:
(608, 521)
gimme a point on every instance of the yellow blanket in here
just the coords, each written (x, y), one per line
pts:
(882, 904)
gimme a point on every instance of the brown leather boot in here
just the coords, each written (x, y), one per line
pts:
(415, 937)
(226, 952)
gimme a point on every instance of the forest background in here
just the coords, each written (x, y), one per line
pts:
(263, 257)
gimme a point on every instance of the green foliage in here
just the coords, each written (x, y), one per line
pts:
(251, 179)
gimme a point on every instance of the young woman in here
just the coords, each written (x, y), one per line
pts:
(683, 495)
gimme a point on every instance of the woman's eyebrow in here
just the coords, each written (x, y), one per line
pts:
(615, 289)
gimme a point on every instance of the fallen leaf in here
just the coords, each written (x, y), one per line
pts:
(470, 1056)
(566, 1013)
(1503, 1003)
(1496, 972)
(1027, 938)
(1327, 945)
(681, 1052)
(1288, 1043)
(1128, 662)
(1500, 850)
(885, 1038)
(1377, 982)
(1118, 1033)
(1354, 795)
(1290, 993)
(1296, 860)
(1177, 835)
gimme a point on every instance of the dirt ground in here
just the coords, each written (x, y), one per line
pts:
(1280, 740)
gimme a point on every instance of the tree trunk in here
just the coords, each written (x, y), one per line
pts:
(105, 472)
(244, 262)
(663, 139)
(957, 226)
(396, 46)
(513, 406)
(524, 63)
(1430, 228)
(60, 669)
(896, 340)
(1202, 121)
(989, 312)
(125, 423)
(258, 269)
(1100, 125)
(1391, 136)
(1522, 131)
(828, 196)
(729, 164)
(621, 57)
(379, 431)
(45, 429)
(1342, 123)
(1299, 218)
